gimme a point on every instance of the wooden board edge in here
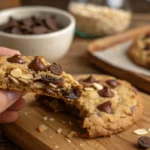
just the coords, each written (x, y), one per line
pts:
(10, 131)
(103, 43)
(138, 81)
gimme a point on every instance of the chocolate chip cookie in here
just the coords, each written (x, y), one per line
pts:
(35, 74)
(107, 105)
(140, 51)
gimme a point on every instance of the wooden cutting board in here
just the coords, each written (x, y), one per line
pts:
(139, 80)
(24, 133)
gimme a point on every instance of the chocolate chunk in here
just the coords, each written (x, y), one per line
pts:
(16, 59)
(105, 107)
(144, 142)
(50, 79)
(55, 69)
(147, 46)
(37, 64)
(39, 30)
(72, 93)
(113, 83)
(50, 23)
(106, 92)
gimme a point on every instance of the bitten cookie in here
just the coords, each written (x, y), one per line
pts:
(140, 51)
(107, 105)
(34, 74)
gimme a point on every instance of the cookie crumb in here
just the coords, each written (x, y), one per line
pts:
(26, 113)
(68, 140)
(59, 130)
(81, 145)
(41, 128)
(45, 118)
(72, 134)
(56, 146)
(140, 131)
(50, 137)
(51, 119)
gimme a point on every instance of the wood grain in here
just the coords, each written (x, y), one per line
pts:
(24, 134)
(139, 80)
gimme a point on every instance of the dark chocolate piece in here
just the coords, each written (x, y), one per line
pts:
(113, 83)
(56, 69)
(106, 92)
(37, 64)
(16, 59)
(105, 107)
(50, 79)
(144, 142)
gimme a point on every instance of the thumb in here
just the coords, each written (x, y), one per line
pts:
(7, 98)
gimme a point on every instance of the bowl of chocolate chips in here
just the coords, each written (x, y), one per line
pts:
(37, 30)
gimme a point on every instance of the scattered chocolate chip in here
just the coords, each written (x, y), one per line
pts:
(72, 94)
(105, 107)
(106, 92)
(37, 64)
(144, 142)
(55, 69)
(50, 79)
(147, 46)
(39, 30)
(90, 79)
(12, 23)
(113, 83)
(16, 59)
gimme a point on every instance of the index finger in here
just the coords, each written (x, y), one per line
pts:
(8, 52)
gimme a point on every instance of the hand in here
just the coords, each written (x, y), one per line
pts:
(10, 101)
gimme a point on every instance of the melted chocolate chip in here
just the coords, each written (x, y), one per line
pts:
(144, 142)
(106, 92)
(105, 107)
(90, 79)
(55, 69)
(50, 79)
(72, 93)
(37, 65)
(112, 83)
(16, 59)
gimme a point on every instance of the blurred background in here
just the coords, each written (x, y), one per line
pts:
(138, 6)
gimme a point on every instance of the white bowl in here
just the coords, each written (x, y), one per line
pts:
(52, 46)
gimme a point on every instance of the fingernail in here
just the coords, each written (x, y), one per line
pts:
(13, 95)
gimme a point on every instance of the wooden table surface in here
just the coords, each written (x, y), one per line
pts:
(76, 62)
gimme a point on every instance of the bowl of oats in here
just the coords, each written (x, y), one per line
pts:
(99, 20)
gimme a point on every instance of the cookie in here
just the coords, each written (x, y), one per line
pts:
(35, 74)
(139, 52)
(107, 105)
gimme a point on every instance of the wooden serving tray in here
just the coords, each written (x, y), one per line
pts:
(139, 80)
(23, 131)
